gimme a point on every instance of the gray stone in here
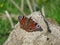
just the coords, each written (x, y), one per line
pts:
(20, 37)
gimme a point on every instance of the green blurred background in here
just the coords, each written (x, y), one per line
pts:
(52, 10)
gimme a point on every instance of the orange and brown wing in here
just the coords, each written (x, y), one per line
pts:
(28, 25)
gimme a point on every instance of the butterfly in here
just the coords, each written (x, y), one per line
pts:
(28, 24)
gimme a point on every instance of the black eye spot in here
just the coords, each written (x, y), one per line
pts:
(38, 25)
(47, 38)
(35, 24)
(30, 28)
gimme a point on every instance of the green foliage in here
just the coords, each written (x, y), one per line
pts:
(4, 26)
(52, 10)
(41, 2)
(2, 39)
(7, 5)
(5, 29)
(2, 5)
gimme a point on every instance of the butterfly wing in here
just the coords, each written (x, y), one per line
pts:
(28, 25)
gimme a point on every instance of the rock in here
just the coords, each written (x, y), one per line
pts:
(20, 37)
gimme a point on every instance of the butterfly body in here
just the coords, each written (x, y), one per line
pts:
(28, 24)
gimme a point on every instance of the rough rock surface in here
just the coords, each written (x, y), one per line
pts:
(20, 37)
